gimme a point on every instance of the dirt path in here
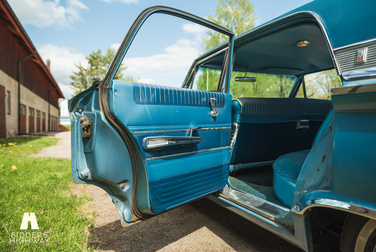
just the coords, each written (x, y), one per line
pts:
(60, 150)
(198, 226)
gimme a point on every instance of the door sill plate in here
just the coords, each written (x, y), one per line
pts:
(251, 202)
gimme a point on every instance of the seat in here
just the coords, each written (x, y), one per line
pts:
(286, 168)
(267, 128)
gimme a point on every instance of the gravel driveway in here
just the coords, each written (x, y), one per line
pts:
(198, 226)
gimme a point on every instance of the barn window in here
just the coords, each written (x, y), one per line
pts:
(8, 102)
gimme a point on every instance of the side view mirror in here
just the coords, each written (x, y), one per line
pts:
(245, 79)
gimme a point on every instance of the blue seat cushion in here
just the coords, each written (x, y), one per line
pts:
(286, 170)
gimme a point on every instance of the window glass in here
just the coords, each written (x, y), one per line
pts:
(164, 56)
(8, 102)
(319, 85)
(266, 85)
(206, 79)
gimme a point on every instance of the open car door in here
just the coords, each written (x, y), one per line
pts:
(150, 147)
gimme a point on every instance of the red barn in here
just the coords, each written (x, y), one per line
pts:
(28, 92)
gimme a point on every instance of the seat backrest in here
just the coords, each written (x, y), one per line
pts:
(324, 126)
(267, 127)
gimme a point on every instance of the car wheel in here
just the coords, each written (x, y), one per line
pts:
(358, 234)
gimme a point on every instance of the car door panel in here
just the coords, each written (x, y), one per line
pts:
(174, 175)
(125, 117)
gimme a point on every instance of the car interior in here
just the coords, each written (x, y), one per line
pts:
(272, 136)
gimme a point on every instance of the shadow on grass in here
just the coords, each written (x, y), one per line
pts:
(163, 230)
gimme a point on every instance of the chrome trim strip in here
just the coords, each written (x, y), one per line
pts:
(213, 128)
(252, 165)
(185, 153)
(175, 130)
(354, 89)
(355, 44)
(334, 204)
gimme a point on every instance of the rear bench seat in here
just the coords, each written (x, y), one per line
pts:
(267, 128)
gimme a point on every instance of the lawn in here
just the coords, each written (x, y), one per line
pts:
(41, 186)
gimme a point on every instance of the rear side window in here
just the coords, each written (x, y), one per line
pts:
(319, 85)
(264, 86)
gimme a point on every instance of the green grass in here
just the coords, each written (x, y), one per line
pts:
(41, 186)
(68, 127)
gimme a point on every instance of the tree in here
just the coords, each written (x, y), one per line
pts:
(236, 15)
(96, 69)
(330, 80)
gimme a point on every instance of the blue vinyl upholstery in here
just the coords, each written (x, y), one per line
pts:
(286, 168)
(175, 176)
(267, 127)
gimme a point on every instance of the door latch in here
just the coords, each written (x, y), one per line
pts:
(213, 112)
(86, 127)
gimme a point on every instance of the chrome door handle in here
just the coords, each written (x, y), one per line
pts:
(213, 112)
(157, 143)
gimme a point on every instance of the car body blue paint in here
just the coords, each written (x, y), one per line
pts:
(104, 165)
(339, 168)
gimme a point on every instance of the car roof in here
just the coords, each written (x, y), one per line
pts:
(329, 25)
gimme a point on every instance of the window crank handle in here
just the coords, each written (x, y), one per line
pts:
(213, 112)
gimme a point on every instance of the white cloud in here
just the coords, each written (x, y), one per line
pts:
(198, 30)
(122, 1)
(146, 80)
(177, 56)
(194, 28)
(115, 46)
(44, 13)
(63, 60)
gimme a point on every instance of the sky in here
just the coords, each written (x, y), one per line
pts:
(65, 31)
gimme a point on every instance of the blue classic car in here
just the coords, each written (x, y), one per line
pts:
(294, 152)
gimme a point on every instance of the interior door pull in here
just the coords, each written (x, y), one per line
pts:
(213, 112)
(157, 143)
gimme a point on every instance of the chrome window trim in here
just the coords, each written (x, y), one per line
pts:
(186, 153)
(334, 204)
(144, 132)
(355, 44)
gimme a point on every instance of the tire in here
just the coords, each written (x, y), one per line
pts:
(358, 234)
